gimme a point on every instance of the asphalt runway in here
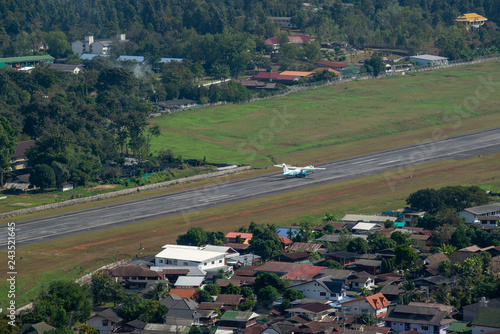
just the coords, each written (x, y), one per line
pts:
(222, 193)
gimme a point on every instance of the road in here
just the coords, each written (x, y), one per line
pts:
(183, 202)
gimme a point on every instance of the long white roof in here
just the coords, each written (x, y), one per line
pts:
(189, 253)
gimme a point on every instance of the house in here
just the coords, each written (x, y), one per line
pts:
(372, 267)
(429, 284)
(96, 46)
(471, 310)
(229, 299)
(311, 311)
(327, 287)
(471, 215)
(361, 280)
(375, 304)
(243, 260)
(305, 246)
(283, 21)
(20, 181)
(189, 282)
(296, 257)
(352, 219)
(175, 105)
(258, 85)
(181, 311)
(134, 325)
(342, 257)
(207, 258)
(18, 159)
(487, 319)
(300, 40)
(366, 228)
(66, 186)
(410, 214)
(106, 322)
(431, 263)
(422, 318)
(68, 68)
(135, 277)
(429, 60)
(489, 221)
(392, 291)
(238, 237)
(236, 319)
(38, 328)
(471, 20)
(296, 272)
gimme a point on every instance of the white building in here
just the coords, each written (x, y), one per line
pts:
(323, 288)
(367, 218)
(424, 60)
(375, 304)
(106, 322)
(205, 257)
(472, 214)
(99, 46)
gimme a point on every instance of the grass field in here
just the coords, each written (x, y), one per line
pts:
(260, 132)
(318, 125)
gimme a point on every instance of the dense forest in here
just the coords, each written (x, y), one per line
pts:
(81, 123)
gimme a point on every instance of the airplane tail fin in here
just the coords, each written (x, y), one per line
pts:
(285, 168)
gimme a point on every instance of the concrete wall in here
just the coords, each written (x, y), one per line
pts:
(123, 192)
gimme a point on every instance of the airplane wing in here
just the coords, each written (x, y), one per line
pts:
(312, 168)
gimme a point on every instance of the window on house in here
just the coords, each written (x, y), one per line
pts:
(213, 262)
(205, 263)
(161, 261)
(220, 261)
(105, 322)
(186, 263)
(322, 294)
(424, 328)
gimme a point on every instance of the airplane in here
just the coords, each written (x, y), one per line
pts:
(297, 171)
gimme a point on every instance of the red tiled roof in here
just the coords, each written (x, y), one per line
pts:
(376, 301)
(244, 236)
(183, 293)
(266, 75)
(293, 271)
(285, 240)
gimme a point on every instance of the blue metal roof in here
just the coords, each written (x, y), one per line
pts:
(139, 59)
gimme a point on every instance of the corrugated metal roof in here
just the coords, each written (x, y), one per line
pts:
(193, 281)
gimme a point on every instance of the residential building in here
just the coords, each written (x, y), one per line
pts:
(342, 257)
(135, 277)
(426, 320)
(311, 311)
(327, 287)
(471, 215)
(106, 322)
(181, 311)
(489, 221)
(367, 219)
(68, 68)
(18, 159)
(295, 272)
(471, 20)
(470, 311)
(283, 21)
(294, 39)
(429, 60)
(237, 237)
(96, 46)
(487, 319)
(208, 258)
(372, 267)
(175, 105)
(366, 228)
(361, 280)
(308, 247)
(38, 328)
(236, 319)
(375, 304)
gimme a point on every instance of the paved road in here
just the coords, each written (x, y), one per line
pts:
(183, 202)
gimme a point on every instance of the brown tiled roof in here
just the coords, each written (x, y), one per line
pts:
(293, 271)
(22, 147)
(209, 306)
(132, 270)
(229, 299)
(236, 245)
(244, 279)
(226, 282)
(459, 256)
(295, 255)
(383, 330)
(305, 246)
(312, 307)
(246, 271)
(182, 272)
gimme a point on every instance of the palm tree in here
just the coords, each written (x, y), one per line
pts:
(410, 294)
(157, 292)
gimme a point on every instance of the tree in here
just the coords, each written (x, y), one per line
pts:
(400, 238)
(195, 236)
(375, 64)
(105, 289)
(232, 289)
(265, 241)
(43, 176)
(444, 268)
(367, 319)
(405, 257)
(88, 329)
(203, 296)
(426, 200)
(291, 294)
(459, 239)
(358, 245)
(267, 295)
(61, 172)
(332, 264)
(58, 44)
(157, 292)
(410, 294)
(269, 279)
(212, 288)
(7, 144)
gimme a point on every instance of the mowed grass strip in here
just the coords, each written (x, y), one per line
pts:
(255, 133)
(64, 258)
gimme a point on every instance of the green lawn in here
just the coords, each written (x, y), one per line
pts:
(257, 132)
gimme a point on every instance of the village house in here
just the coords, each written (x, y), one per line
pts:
(236, 319)
(472, 214)
(96, 46)
(106, 322)
(135, 277)
(375, 304)
(311, 311)
(471, 20)
(422, 318)
(486, 320)
(327, 287)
